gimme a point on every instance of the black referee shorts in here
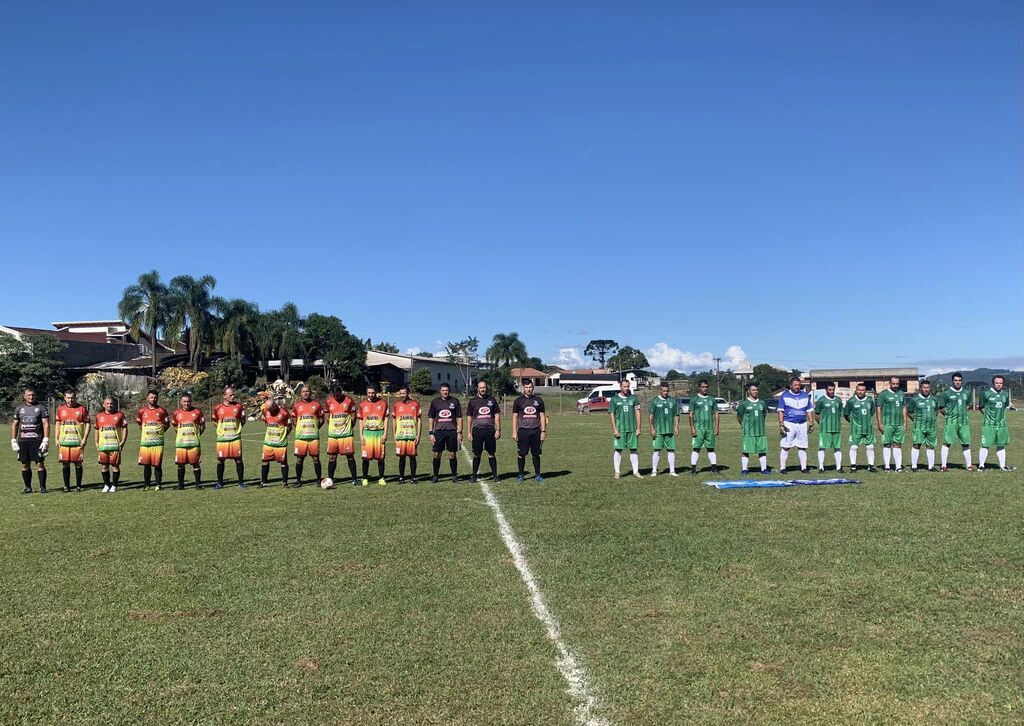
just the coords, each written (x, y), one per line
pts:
(529, 442)
(483, 440)
(446, 440)
(28, 451)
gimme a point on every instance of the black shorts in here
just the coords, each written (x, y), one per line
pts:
(28, 451)
(446, 440)
(483, 440)
(529, 442)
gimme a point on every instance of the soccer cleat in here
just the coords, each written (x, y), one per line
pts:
(693, 469)
(714, 469)
(913, 470)
(472, 479)
(672, 473)
(538, 478)
(296, 485)
(66, 490)
(654, 473)
(156, 488)
(286, 485)
(412, 480)
(520, 478)
(971, 468)
(106, 488)
(78, 488)
(355, 482)
(805, 470)
(944, 469)
(494, 478)
(840, 470)
(382, 482)
(241, 485)
(821, 469)
(853, 468)
(179, 487)
(637, 475)
(455, 480)
(264, 484)
(113, 488)
(401, 480)
(218, 485)
(43, 490)
(765, 471)
(930, 468)
(26, 490)
(899, 470)
(1007, 468)
(364, 482)
(617, 475)
(745, 472)
(886, 470)
(873, 470)
(198, 486)
(433, 479)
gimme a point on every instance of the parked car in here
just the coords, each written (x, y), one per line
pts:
(773, 405)
(597, 399)
(684, 404)
(722, 405)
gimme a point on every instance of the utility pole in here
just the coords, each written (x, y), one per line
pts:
(718, 376)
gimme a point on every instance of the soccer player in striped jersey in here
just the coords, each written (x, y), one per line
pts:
(624, 409)
(153, 421)
(111, 433)
(891, 418)
(73, 426)
(189, 425)
(994, 431)
(406, 414)
(923, 410)
(955, 404)
(373, 433)
(663, 416)
(229, 418)
(307, 418)
(341, 412)
(860, 412)
(704, 419)
(751, 414)
(828, 410)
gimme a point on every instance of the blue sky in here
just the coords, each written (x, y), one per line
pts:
(811, 184)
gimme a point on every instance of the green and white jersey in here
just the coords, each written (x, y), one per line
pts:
(924, 409)
(830, 414)
(993, 407)
(702, 409)
(861, 413)
(752, 413)
(955, 404)
(892, 404)
(664, 411)
(624, 409)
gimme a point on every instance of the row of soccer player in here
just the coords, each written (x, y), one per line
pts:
(891, 414)
(342, 417)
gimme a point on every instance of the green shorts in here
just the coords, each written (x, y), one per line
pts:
(703, 440)
(625, 441)
(665, 441)
(927, 438)
(995, 436)
(893, 434)
(866, 439)
(830, 440)
(755, 444)
(955, 433)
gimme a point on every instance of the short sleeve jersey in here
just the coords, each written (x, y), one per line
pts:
(665, 411)
(340, 417)
(30, 421)
(528, 409)
(861, 413)
(955, 404)
(71, 421)
(795, 406)
(186, 427)
(830, 413)
(445, 413)
(993, 406)
(752, 414)
(228, 417)
(276, 434)
(892, 404)
(924, 409)
(482, 411)
(624, 409)
(373, 414)
(307, 417)
(154, 423)
(406, 414)
(702, 409)
(108, 430)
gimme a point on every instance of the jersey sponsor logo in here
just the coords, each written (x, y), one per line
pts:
(444, 414)
(530, 410)
(483, 411)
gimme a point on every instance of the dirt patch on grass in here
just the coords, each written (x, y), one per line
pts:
(759, 667)
(310, 665)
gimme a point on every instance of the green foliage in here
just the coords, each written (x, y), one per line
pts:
(318, 385)
(600, 349)
(628, 358)
(673, 375)
(507, 349)
(382, 347)
(465, 354)
(145, 308)
(420, 381)
(769, 378)
(499, 380)
(33, 362)
(226, 372)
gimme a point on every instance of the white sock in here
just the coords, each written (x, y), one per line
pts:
(945, 454)
(967, 456)
(801, 454)
(783, 456)
(982, 455)
(744, 462)
(617, 459)
(915, 454)
(853, 456)
(672, 462)
(634, 461)
(763, 460)
(1001, 455)
(713, 458)
(654, 461)
(870, 451)
(930, 455)
(897, 457)
(839, 459)
(694, 456)
(886, 456)
(821, 458)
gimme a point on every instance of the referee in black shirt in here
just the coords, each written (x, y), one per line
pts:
(529, 429)
(484, 428)
(445, 429)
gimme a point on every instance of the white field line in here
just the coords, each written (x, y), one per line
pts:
(575, 675)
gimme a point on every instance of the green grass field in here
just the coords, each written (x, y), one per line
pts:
(898, 600)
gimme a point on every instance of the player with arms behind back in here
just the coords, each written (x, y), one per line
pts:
(860, 412)
(153, 421)
(891, 419)
(529, 429)
(111, 433)
(373, 433)
(229, 418)
(341, 416)
(955, 405)
(73, 426)
(994, 431)
(307, 418)
(923, 410)
(704, 421)
(624, 409)
(189, 425)
(406, 415)
(828, 410)
(751, 414)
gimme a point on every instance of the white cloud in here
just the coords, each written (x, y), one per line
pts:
(663, 357)
(415, 350)
(568, 358)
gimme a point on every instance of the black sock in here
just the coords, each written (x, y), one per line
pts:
(318, 470)
(41, 475)
(158, 474)
(106, 477)
(220, 472)
(181, 475)
(454, 464)
(476, 465)
(521, 462)
(65, 472)
(352, 466)
(26, 476)
(412, 466)
(147, 474)
(116, 476)
(284, 473)
(380, 468)
(198, 474)
(366, 468)
(494, 466)
(332, 466)
(437, 465)
(298, 469)
(79, 470)
(536, 465)
(401, 467)
(264, 473)
(240, 470)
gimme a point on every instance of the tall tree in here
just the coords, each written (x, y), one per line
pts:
(190, 317)
(343, 354)
(235, 325)
(381, 347)
(144, 309)
(628, 358)
(507, 349)
(289, 331)
(464, 354)
(600, 349)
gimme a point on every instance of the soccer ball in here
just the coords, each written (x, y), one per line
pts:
(327, 483)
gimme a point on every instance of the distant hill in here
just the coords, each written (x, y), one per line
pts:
(978, 375)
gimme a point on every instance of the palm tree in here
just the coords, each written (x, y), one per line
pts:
(144, 309)
(190, 313)
(289, 331)
(507, 348)
(237, 319)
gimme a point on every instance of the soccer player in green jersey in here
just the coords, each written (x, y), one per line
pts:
(625, 413)
(860, 412)
(955, 404)
(923, 410)
(828, 410)
(703, 426)
(891, 417)
(994, 431)
(663, 413)
(751, 414)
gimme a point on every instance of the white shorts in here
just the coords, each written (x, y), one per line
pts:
(796, 435)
